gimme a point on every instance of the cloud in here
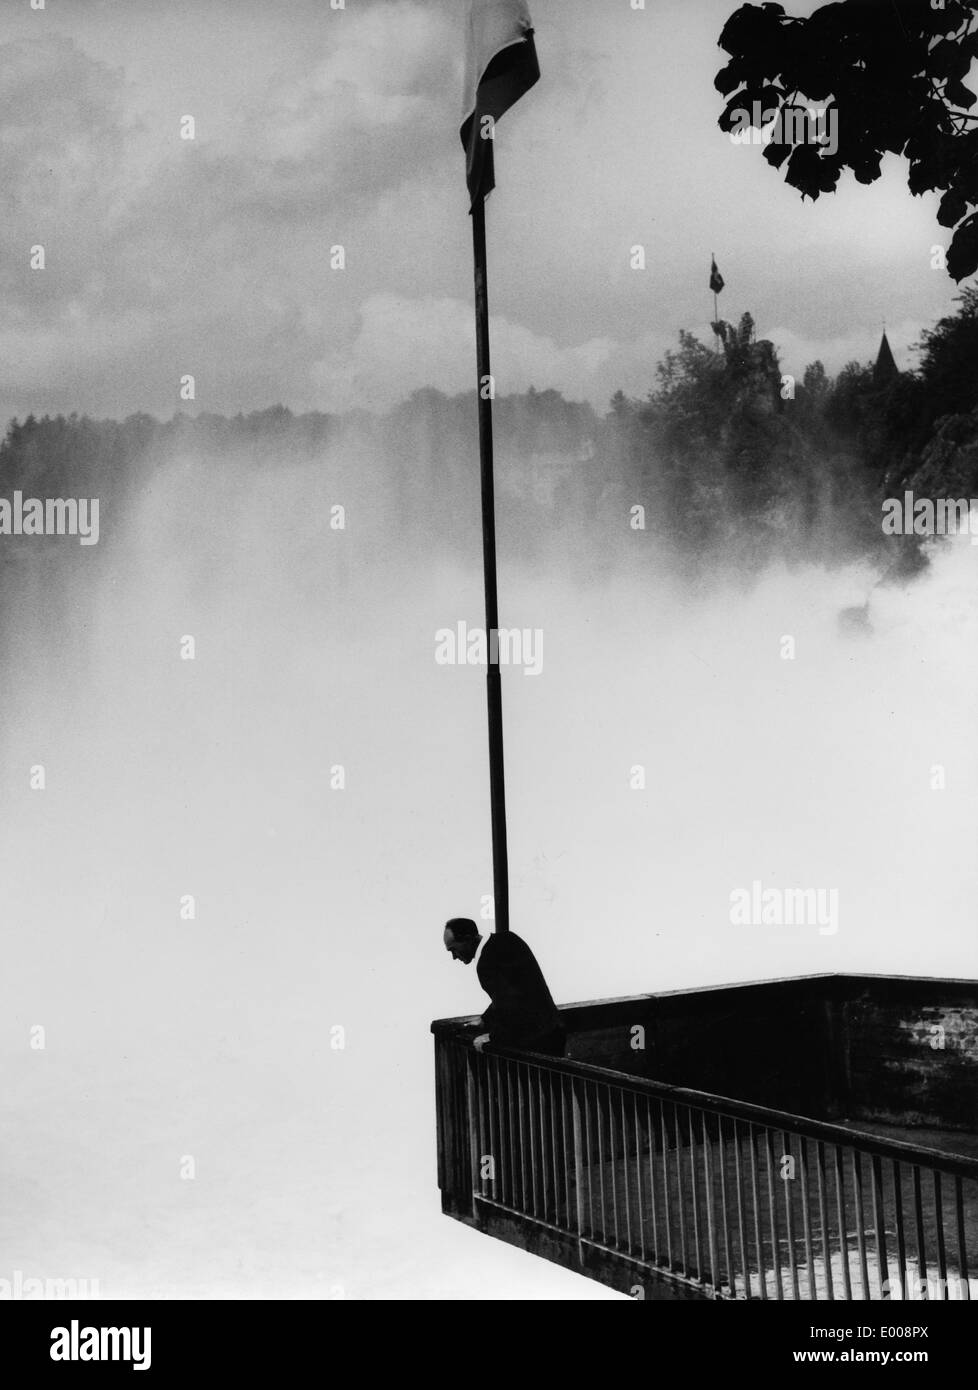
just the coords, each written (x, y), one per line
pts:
(66, 168)
(402, 344)
(861, 344)
(211, 256)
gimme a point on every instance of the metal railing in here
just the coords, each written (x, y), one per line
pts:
(732, 1200)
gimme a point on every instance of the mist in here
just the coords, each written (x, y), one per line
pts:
(319, 895)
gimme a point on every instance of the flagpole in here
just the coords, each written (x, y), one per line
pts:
(494, 696)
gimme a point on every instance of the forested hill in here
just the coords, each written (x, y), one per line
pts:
(725, 455)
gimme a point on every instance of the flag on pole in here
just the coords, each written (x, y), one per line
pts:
(500, 65)
(716, 279)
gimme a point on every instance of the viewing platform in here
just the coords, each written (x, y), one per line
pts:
(805, 1138)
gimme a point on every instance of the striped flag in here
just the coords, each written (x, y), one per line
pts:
(716, 279)
(500, 65)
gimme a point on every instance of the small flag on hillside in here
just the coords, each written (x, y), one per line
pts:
(716, 279)
(500, 65)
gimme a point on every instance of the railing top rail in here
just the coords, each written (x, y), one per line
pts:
(956, 1165)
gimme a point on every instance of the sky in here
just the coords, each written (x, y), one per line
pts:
(317, 127)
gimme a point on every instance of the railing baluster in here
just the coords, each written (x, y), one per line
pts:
(722, 1147)
(552, 1105)
(579, 1160)
(756, 1200)
(898, 1221)
(525, 1164)
(710, 1212)
(695, 1186)
(962, 1245)
(538, 1076)
(485, 1134)
(682, 1190)
(739, 1175)
(939, 1227)
(857, 1189)
(918, 1221)
(495, 1129)
(472, 1124)
(772, 1201)
(787, 1182)
(879, 1222)
(840, 1200)
(458, 1092)
(653, 1204)
(625, 1175)
(823, 1222)
(600, 1162)
(564, 1081)
(639, 1180)
(532, 1126)
(491, 1129)
(806, 1218)
(667, 1212)
(512, 1126)
(590, 1164)
(612, 1163)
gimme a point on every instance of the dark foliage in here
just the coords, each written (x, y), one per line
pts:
(889, 75)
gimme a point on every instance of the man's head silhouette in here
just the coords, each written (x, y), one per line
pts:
(461, 937)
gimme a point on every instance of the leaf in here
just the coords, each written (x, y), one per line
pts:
(739, 110)
(962, 255)
(731, 77)
(868, 169)
(777, 154)
(803, 172)
(959, 95)
(949, 59)
(952, 208)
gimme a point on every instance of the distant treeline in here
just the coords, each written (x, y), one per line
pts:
(723, 456)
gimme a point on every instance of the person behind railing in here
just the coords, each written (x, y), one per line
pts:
(522, 1013)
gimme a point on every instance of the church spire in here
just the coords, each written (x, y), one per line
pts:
(886, 369)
